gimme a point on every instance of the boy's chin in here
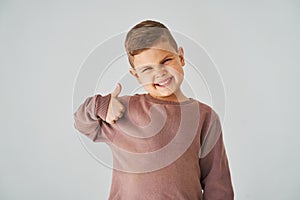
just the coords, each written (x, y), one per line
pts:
(162, 94)
(159, 91)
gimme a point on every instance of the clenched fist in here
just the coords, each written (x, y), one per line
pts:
(115, 109)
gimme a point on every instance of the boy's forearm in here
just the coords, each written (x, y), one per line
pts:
(90, 114)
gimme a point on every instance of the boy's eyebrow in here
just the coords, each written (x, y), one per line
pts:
(169, 55)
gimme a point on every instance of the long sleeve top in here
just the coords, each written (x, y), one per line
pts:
(162, 150)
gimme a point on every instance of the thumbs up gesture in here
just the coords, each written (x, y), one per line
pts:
(115, 109)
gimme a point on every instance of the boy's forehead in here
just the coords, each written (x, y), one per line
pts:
(153, 55)
(164, 46)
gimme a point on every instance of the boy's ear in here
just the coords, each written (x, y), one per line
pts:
(181, 56)
(133, 72)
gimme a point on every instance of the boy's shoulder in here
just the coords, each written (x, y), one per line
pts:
(207, 111)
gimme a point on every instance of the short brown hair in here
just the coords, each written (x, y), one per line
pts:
(144, 35)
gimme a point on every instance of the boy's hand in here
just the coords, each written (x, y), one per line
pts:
(115, 109)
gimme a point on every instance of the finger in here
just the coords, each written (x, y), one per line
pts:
(123, 109)
(117, 90)
(121, 112)
(118, 108)
(110, 120)
(120, 116)
(113, 120)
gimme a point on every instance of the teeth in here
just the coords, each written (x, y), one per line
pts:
(165, 82)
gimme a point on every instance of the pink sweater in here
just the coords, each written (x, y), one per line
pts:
(161, 149)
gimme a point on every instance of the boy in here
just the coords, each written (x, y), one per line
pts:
(164, 144)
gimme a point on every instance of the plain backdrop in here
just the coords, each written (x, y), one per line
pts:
(255, 45)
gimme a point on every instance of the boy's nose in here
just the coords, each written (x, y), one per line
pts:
(161, 71)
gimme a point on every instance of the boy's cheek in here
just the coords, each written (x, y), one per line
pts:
(176, 69)
(149, 88)
(146, 82)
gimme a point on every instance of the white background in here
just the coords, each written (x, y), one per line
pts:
(255, 45)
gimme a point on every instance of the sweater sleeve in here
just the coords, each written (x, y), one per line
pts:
(89, 118)
(215, 172)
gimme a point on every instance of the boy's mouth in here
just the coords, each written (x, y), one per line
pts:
(164, 82)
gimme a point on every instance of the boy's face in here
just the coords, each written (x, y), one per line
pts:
(159, 70)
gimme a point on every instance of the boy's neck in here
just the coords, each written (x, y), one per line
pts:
(178, 97)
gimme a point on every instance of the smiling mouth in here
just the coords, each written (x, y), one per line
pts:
(164, 83)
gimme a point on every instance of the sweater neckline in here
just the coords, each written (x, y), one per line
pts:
(160, 101)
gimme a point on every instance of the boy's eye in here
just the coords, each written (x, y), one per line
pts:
(166, 60)
(146, 69)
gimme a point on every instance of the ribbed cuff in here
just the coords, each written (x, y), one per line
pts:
(101, 105)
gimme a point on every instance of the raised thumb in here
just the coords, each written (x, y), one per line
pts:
(117, 90)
